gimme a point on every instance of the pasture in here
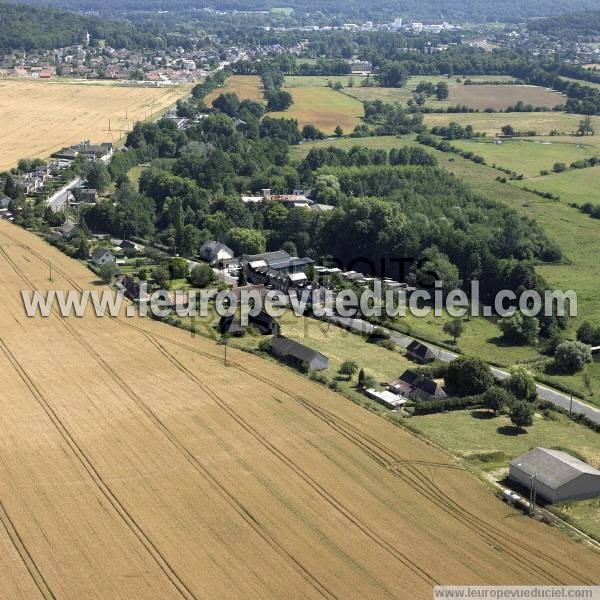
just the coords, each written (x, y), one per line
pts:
(576, 185)
(40, 117)
(477, 435)
(139, 466)
(528, 156)
(292, 81)
(491, 123)
(245, 87)
(324, 108)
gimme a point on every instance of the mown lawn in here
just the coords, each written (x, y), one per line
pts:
(481, 337)
(491, 442)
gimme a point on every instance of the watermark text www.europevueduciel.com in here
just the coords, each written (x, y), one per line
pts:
(348, 303)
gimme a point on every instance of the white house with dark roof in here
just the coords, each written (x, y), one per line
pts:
(556, 475)
(101, 256)
(215, 252)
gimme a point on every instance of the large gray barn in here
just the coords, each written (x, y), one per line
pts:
(558, 476)
(299, 354)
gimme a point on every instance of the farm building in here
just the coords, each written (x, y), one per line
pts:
(299, 354)
(557, 475)
(420, 352)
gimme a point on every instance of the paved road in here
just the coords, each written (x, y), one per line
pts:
(545, 393)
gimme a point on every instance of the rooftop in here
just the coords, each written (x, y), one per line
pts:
(553, 468)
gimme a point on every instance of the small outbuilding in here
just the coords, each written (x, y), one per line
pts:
(556, 476)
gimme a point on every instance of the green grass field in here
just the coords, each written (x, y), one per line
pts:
(134, 175)
(481, 337)
(293, 81)
(491, 123)
(491, 442)
(324, 108)
(385, 142)
(530, 156)
(575, 185)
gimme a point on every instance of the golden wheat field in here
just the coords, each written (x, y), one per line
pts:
(134, 464)
(245, 87)
(40, 117)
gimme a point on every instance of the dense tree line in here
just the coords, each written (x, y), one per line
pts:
(510, 11)
(31, 28)
(568, 27)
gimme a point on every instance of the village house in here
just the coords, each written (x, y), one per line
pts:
(420, 352)
(101, 256)
(265, 323)
(89, 196)
(68, 230)
(415, 386)
(215, 252)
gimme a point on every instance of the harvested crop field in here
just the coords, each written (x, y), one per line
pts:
(324, 108)
(501, 97)
(41, 117)
(136, 465)
(246, 87)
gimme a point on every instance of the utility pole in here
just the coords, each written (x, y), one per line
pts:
(224, 341)
(571, 405)
(532, 494)
(50, 278)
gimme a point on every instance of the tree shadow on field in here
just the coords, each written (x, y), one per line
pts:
(482, 414)
(511, 430)
(500, 342)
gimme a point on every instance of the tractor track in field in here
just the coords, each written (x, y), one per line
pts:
(229, 498)
(25, 555)
(406, 471)
(389, 460)
(85, 461)
(314, 485)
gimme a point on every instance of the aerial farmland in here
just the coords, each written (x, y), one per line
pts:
(40, 117)
(146, 467)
